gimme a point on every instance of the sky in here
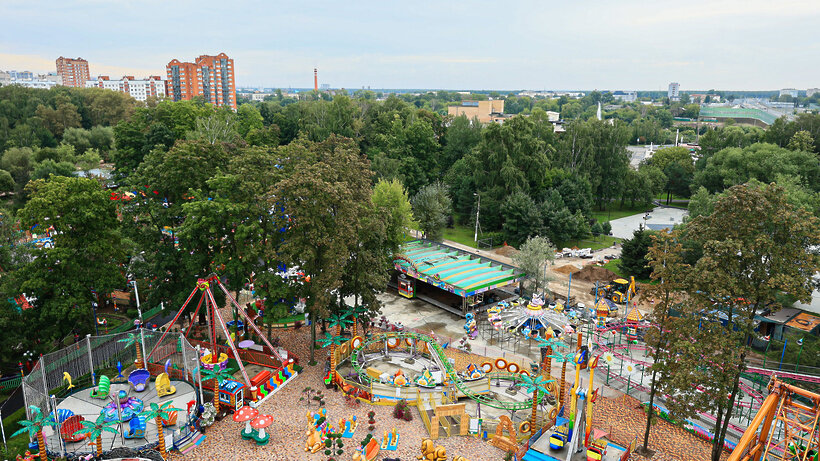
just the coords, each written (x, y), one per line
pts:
(505, 45)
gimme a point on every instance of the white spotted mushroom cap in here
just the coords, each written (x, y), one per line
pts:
(245, 413)
(262, 421)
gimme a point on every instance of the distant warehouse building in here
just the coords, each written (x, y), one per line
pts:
(754, 117)
(625, 96)
(484, 111)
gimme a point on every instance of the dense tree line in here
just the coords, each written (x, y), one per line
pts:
(206, 181)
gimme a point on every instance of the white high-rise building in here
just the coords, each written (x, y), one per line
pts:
(674, 91)
(137, 89)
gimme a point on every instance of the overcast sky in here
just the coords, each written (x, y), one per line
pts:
(581, 44)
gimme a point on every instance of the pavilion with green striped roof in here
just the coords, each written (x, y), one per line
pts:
(453, 270)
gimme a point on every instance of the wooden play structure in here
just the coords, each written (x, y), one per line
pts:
(505, 442)
(451, 417)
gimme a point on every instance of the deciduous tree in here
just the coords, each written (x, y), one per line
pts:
(756, 247)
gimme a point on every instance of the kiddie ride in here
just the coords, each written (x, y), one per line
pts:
(319, 429)
(470, 326)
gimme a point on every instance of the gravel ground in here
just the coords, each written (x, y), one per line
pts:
(288, 432)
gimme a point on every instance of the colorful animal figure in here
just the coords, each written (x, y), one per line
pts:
(348, 427)
(67, 377)
(390, 440)
(470, 326)
(473, 372)
(426, 379)
(103, 388)
(314, 440)
(399, 379)
(429, 452)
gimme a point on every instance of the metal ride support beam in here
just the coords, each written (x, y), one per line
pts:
(196, 311)
(215, 310)
(184, 305)
(248, 320)
(766, 412)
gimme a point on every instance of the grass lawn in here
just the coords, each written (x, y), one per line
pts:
(16, 445)
(616, 212)
(459, 234)
(602, 241)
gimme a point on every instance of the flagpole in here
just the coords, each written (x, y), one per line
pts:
(797, 365)
(782, 354)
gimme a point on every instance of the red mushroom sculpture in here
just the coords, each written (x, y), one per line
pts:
(260, 423)
(245, 415)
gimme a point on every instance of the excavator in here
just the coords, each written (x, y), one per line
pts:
(618, 290)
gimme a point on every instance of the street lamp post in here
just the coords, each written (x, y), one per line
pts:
(477, 210)
(137, 295)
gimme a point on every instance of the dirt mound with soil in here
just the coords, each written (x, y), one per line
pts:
(566, 269)
(506, 250)
(593, 273)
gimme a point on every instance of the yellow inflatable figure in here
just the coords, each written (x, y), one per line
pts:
(314, 441)
(67, 377)
(429, 452)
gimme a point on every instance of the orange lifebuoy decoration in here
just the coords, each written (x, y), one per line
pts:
(524, 427)
(486, 367)
(553, 413)
(524, 372)
(356, 342)
(409, 341)
(392, 342)
(501, 364)
(513, 367)
(550, 386)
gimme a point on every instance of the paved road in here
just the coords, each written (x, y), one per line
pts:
(659, 218)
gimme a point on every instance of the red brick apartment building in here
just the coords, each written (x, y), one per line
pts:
(211, 77)
(73, 71)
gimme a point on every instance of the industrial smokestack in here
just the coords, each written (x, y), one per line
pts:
(315, 79)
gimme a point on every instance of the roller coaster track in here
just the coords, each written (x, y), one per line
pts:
(452, 375)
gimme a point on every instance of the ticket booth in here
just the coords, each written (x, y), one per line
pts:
(231, 394)
(407, 286)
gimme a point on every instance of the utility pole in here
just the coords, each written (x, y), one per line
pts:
(137, 295)
(477, 210)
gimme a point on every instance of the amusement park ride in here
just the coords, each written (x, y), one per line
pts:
(785, 428)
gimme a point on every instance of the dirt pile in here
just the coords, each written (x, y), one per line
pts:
(566, 269)
(592, 273)
(506, 250)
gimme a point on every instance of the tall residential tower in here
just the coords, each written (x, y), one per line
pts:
(211, 77)
(74, 72)
(674, 91)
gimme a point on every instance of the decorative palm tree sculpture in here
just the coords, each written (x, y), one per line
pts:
(337, 321)
(535, 384)
(95, 430)
(551, 343)
(219, 377)
(158, 413)
(34, 427)
(134, 338)
(563, 359)
(332, 341)
(355, 312)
